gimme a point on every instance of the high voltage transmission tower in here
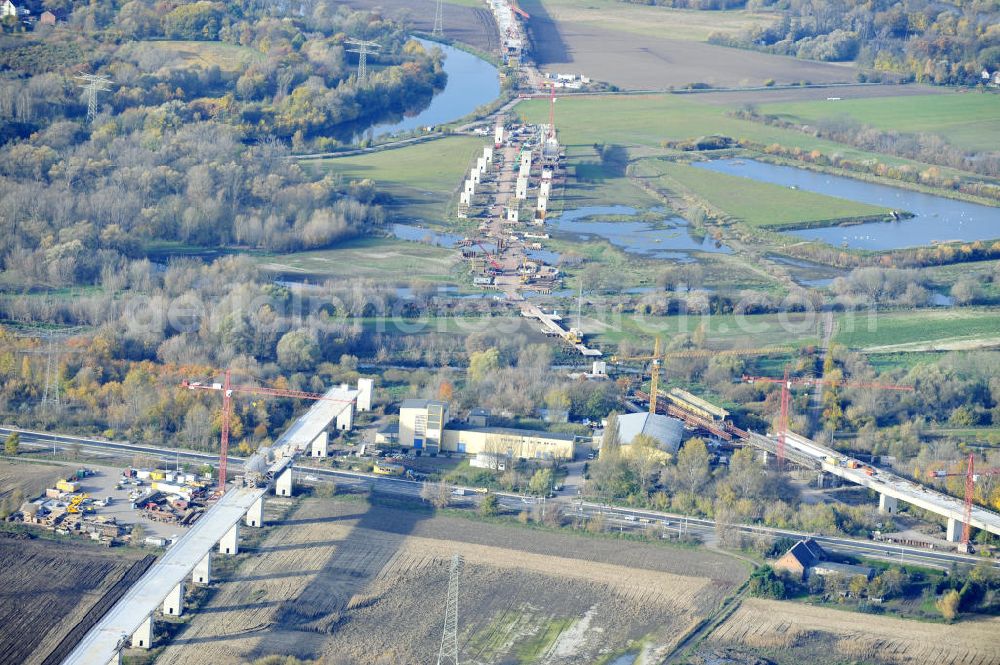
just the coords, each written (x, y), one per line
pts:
(438, 19)
(50, 395)
(94, 84)
(448, 655)
(363, 49)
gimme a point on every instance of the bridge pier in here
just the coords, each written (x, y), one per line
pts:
(173, 604)
(202, 573)
(143, 637)
(954, 532)
(283, 484)
(365, 389)
(230, 543)
(255, 516)
(345, 421)
(888, 504)
(321, 444)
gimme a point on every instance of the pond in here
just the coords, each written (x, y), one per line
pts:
(419, 234)
(669, 238)
(936, 218)
(472, 82)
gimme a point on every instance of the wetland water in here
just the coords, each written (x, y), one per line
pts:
(472, 82)
(936, 218)
(666, 238)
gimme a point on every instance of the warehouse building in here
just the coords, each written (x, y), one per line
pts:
(425, 426)
(666, 431)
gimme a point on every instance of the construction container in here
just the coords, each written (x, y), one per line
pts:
(68, 486)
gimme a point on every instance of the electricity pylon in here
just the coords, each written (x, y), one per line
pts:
(448, 655)
(438, 19)
(364, 48)
(50, 395)
(94, 84)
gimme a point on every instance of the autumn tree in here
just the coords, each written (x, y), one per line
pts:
(12, 443)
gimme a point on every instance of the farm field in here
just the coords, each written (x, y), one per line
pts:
(466, 21)
(383, 259)
(649, 120)
(756, 203)
(322, 580)
(967, 120)
(923, 330)
(722, 331)
(420, 180)
(48, 588)
(31, 479)
(797, 633)
(629, 52)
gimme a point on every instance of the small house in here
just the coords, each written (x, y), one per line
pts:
(800, 557)
(47, 18)
(8, 8)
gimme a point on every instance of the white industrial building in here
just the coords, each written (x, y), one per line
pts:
(667, 431)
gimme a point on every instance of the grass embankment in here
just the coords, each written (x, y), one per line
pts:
(721, 331)
(383, 259)
(919, 330)
(966, 120)
(759, 204)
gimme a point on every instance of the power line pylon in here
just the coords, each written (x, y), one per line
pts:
(448, 655)
(94, 84)
(50, 395)
(438, 19)
(363, 49)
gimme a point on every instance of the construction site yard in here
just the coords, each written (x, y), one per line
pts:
(348, 582)
(51, 586)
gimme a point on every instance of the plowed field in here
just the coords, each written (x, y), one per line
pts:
(350, 583)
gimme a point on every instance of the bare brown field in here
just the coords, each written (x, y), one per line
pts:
(467, 23)
(31, 479)
(638, 61)
(48, 588)
(818, 634)
(350, 583)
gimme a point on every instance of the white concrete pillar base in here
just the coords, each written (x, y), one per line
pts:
(283, 484)
(202, 573)
(230, 543)
(954, 533)
(321, 444)
(345, 421)
(255, 516)
(173, 604)
(888, 504)
(143, 637)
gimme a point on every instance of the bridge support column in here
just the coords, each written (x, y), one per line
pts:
(954, 533)
(202, 573)
(365, 389)
(887, 504)
(173, 604)
(321, 444)
(230, 543)
(820, 480)
(116, 659)
(255, 516)
(345, 421)
(283, 484)
(143, 637)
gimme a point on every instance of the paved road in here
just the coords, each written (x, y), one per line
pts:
(622, 518)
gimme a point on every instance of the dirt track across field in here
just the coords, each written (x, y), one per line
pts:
(636, 61)
(818, 634)
(351, 583)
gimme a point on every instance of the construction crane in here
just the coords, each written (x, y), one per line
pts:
(228, 389)
(970, 489)
(657, 358)
(787, 382)
(489, 257)
(520, 12)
